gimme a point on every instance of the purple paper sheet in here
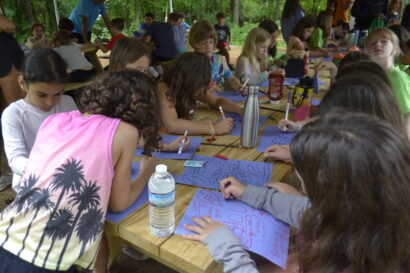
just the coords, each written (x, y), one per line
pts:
(187, 154)
(237, 123)
(142, 199)
(290, 81)
(315, 102)
(272, 135)
(215, 169)
(323, 59)
(235, 96)
(264, 84)
(257, 230)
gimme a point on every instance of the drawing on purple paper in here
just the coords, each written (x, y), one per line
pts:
(272, 135)
(257, 230)
(215, 169)
(187, 154)
(237, 123)
(235, 96)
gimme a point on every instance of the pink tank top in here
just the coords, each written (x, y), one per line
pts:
(58, 216)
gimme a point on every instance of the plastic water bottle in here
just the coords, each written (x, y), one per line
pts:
(161, 187)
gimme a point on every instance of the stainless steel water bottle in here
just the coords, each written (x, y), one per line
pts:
(250, 119)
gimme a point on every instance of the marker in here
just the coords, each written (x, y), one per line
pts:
(221, 157)
(222, 112)
(182, 143)
(243, 86)
(287, 110)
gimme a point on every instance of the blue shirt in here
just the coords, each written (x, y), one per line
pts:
(88, 9)
(163, 37)
(179, 34)
(289, 23)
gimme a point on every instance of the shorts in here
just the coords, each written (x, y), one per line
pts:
(222, 45)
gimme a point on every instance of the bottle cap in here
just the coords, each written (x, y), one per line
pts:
(161, 168)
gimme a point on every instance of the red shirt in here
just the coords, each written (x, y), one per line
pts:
(113, 40)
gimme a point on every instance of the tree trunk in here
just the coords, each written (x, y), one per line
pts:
(137, 13)
(235, 12)
(276, 18)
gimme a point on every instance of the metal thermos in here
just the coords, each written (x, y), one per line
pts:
(250, 119)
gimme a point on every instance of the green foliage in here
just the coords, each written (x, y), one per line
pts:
(239, 33)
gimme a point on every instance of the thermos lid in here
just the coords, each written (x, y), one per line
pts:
(253, 89)
(306, 82)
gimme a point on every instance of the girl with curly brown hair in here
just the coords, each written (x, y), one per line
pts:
(185, 81)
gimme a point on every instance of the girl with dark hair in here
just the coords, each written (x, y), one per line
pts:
(184, 82)
(273, 30)
(300, 34)
(291, 14)
(42, 78)
(79, 167)
(354, 170)
(321, 35)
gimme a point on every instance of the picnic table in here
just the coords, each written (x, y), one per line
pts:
(90, 50)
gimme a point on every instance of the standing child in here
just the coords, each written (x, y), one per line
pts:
(300, 34)
(79, 167)
(384, 45)
(349, 202)
(185, 81)
(223, 34)
(81, 69)
(42, 78)
(321, 34)
(179, 31)
(291, 14)
(117, 25)
(202, 38)
(253, 62)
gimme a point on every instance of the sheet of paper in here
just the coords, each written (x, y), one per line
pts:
(291, 81)
(237, 123)
(142, 199)
(235, 96)
(258, 231)
(215, 169)
(272, 135)
(187, 154)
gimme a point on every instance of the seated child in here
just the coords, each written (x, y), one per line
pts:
(68, 25)
(184, 82)
(79, 167)
(42, 79)
(339, 33)
(38, 39)
(117, 25)
(129, 53)
(253, 62)
(300, 34)
(202, 38)
(81, 69)
(349, 202)
(321, 34)
(273, 30)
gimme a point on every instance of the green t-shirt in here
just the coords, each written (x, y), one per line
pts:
(317, 41)
(401, 86)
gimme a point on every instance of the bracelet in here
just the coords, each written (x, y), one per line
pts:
(212, 130)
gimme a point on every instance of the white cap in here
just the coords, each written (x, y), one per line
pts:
(161, 168)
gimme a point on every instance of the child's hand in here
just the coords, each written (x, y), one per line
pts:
(288, 126)
(205, 225)
(279, 152)
(224, 126)
(214, 87)
(231, 188)
(174, 145)
(148, 165)
(284, 188)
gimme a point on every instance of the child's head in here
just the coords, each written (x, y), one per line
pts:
(355, 173)
(62, 37)
(43, 75)
(130, 96)
(304, 28)
(256, 47)
(149, 18)
(118, 24)
(324, 22)
(367, 66)
(382, 43)
(173, 19)
(395, 6)
(181, 16)
(37, 30)
(202, 37)
(341, 29)
(353, 57)
(362, 91)
(129, 53)
(273, 30)
(220, 18)
(188, 78)
(65, 24)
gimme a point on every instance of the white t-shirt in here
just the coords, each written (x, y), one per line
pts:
(244, 70)
(73, 56)
(20, 122)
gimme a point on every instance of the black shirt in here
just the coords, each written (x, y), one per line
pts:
(222, 33)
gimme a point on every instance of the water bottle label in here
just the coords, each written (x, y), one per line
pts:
(161, 200)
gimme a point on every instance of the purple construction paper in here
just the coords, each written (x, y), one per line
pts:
(323, 59)
(187, 154)
(142, 199)
(257, 230)
(264, 84)
(315, 102)
(237, 123)
(235, 96)
(290, 81)
(272, 135)
(215, 169)
(316, 82)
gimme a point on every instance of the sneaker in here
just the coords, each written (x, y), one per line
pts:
(135, 254)
(5, 180)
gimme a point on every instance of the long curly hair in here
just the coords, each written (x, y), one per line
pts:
(355, 170)
(130, 96)
(187, 79)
